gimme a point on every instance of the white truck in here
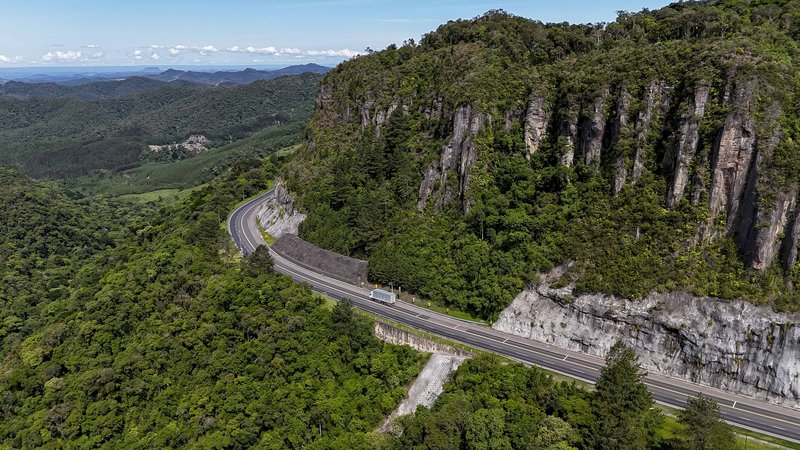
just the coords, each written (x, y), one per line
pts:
(385, 297)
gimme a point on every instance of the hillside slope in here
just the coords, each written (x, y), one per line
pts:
(65, 137)
(120, 333)
(657, 152)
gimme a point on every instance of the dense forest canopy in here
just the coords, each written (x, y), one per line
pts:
(69, 136)
(142, 333)
(656, 152)
(157, 336)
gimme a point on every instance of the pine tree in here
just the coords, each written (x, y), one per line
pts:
(259, 262)
(625, 409)
(703, 426)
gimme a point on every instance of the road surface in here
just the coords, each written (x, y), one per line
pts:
(740, 411)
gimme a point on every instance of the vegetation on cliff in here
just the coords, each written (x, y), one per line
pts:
(657, 152)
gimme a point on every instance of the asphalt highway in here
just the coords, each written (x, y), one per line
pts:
(741, 411)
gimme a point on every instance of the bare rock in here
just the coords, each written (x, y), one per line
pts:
(456, 160)
(536, 119)
(278, 216)
(735, 346)
(685, 147)
(592, 130)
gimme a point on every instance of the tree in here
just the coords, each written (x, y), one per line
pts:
(259, 262)
(554, 433)
(626, 417)
(703, 426)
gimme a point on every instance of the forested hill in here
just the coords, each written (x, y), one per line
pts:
(141, 331)
(126, 327)
(657, 152)
(45, 239)
(108, 126)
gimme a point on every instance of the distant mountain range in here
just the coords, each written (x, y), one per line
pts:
(96, 90)
(210, 77)
(91, 89)
(241, 77)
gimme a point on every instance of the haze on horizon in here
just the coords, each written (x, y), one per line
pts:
(75, 33)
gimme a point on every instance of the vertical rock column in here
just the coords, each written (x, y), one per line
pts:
(536, 119)
(686, 145)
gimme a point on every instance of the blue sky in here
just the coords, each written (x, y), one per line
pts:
(258, 32)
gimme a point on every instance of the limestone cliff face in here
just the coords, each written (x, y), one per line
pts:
(278, 215)
(448, 178)
(734, 346)
(710, 142)
(592, 130)
(686, 142)
(536, 119)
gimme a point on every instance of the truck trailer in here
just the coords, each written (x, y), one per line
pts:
(385, 297)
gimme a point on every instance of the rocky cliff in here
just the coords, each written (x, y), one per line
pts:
(730, 345)
(658, 153)
(722, 169)
(500, 147)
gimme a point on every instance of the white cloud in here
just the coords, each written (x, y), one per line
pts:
(62, 56)
(91, 46)
(180, 48)
(5, 59)
(346, 52)
(157, 51)
(270, 50)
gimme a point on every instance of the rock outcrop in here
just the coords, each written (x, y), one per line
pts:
(736, 346)
(535, 127)
(685, 147)
(592, 129)
(278, 215)
(398, 336)
(449, 177)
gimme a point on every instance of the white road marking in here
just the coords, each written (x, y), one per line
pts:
(565, 357)
(241, 221)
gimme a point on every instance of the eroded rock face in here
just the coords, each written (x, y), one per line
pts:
(688, 138)
(772, 223)
(592, 130)
(736, 346)
(568, 132)
(656, 102)
(278, 215)
(733, 157)
(449, 177)
(536, 119)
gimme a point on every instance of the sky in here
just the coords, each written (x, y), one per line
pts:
(74, 33)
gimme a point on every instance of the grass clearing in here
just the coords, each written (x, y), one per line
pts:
(165, 196)
(187, 173)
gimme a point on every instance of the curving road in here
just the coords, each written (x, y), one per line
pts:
(740, 411)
